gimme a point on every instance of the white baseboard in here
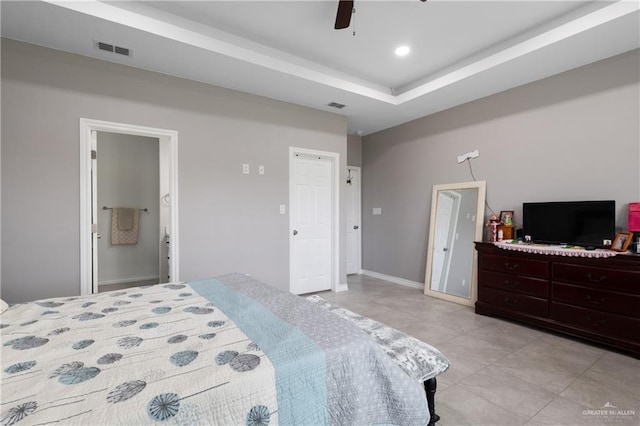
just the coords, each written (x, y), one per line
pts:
(395, 280)
(341, 287)
(128, 280)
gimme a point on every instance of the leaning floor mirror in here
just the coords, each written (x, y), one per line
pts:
(457, 213)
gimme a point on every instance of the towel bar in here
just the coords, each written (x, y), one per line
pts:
(111, 208)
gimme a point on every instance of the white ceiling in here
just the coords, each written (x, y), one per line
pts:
(288, 50)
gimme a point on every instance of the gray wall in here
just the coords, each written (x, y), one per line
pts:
(574, 136)
(128, 176)
(354, 150)
(228, 221)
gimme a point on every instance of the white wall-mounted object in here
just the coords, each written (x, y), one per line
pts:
(470, 154)
(377, 211)
(245, 169)
(260, 170)
(283, 209)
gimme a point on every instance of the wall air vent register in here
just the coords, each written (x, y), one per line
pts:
(107, 47)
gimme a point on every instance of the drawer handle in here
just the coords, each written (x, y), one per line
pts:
(511, 266)
(600, 323)
(596, 280)
(510, 284)
(595, 302)
(510, 302)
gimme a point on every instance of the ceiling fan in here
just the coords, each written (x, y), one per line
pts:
(343, 16)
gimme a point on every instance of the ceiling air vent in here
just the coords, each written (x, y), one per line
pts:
(336, 105)
(106, 47)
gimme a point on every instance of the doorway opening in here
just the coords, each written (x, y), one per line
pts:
(354, 219)
(128, 205)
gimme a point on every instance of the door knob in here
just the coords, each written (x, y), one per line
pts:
(355, 226)
(295, 232)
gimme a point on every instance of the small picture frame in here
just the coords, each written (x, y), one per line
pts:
(621, 241)
(506, 217)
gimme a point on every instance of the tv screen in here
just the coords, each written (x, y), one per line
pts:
(583, 223)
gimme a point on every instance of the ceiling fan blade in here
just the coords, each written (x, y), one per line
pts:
(343, 17)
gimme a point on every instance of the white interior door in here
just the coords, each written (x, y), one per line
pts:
(311, 223)
(354, 236)
(441, 238)
(451, 239)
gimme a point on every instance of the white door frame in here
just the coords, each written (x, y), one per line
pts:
(87, 125)
(358, 189)
(334, 158)
(94, 213)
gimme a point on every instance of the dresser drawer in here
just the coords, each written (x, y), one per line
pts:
(597, 322)
(604, 279)
(515, 302)
(608, 301)
(516, 283)
(516, 265)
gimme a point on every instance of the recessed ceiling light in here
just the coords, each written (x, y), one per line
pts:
(403, 50)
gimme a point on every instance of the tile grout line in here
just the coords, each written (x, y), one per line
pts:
(557, 395)
(493, 403)
(580, 375)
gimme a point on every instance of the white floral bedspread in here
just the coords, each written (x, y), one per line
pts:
(145, 355)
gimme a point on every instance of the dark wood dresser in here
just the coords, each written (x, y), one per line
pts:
(593, 298)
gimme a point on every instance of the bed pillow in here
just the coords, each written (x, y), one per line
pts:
(3, 306)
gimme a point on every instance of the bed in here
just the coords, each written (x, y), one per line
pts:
(226, 350)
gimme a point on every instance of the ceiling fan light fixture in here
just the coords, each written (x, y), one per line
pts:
(402, 51)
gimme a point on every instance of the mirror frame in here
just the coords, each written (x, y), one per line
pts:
(481, 185)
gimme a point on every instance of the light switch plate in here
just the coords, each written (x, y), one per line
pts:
(377, 211)
(245, 168)
(283, 209)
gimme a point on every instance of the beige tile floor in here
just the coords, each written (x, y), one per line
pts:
(503, 373)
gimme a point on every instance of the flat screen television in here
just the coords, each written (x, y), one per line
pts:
(582, 223)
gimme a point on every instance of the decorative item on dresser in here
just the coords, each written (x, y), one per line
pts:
(621, 241)
(593, 298)
(506, 229)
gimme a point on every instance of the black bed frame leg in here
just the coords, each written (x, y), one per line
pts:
(430, 389)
